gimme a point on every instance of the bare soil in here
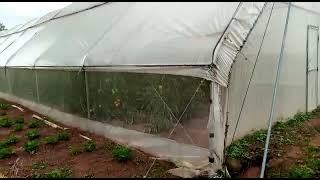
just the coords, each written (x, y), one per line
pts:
(98, 163)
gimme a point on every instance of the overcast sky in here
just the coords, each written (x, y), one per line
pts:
(13, 13)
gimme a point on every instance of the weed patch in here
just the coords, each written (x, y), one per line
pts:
(301, 171)
(17, 127)
(59, 173)
(4, 106)
(63, 136)
(35, 123)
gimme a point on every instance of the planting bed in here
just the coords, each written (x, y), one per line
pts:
(60, 156)
(294, 149)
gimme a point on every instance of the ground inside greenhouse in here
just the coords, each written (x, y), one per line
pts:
(98, 163)
(284, 158)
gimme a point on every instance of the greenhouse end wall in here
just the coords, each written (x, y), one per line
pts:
(148, 103)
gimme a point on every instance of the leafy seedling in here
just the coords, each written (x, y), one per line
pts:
(34, 123)
(51, 140)
(31, 146)
(6, 152)
(4, 106)
(89, 146)
(32, 134)
(122, 153)
(63, 136)
(17, 127)
(5, 122)
(19, 120)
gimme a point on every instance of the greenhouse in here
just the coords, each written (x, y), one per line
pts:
(180, 81)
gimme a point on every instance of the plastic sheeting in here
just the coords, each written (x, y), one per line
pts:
(137, 34)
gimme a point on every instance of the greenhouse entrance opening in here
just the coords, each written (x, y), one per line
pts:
(312, 67)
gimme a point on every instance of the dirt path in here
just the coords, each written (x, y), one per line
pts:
(98, 163)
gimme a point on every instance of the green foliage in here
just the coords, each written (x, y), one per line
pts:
(3, 144)
(301, 171)
(11, 140)
(51, 140)
(4, 106)
(89, 146)
(6, 152)
(34, 123)
(59, 173)
(5, 122)
(19, 120)
(31, 146)
(33, 134)
(238, 150)
(121, 153)
(39, 165)
(17, 127)
(63, 136)
(74, 151)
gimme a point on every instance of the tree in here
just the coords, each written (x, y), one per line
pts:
(2, 27)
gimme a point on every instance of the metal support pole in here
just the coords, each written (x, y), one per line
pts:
(307, 68)
(37, 85)
(87, 93)
(274, 95)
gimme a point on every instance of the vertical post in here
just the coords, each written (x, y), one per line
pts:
(317, 78)
(8, 80)
(87, 93)
(275, 93)
(37, 85)
(307, 68)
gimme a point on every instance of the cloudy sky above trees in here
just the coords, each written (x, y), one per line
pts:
(14, 13)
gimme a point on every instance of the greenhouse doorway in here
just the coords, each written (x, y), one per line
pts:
(312, 67)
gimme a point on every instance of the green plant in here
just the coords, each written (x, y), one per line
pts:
(19, 120)
(51, 140)
(3, 144)
(63, 136)
(6, 152)
(4, 106)
(31, 146)
(33, 134)
(5, 122)
(301, 171)
(17, 127)
(122, 153)
(74, 151)
(39, 165)
(34, 123)
(59, 173)
(11, 140)
(89, 146)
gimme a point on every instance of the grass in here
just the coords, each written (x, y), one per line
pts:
(89, 146)
(59, 173)
(122, 153)
(32, 134)
(282, 133)
(39, 165)
(31, 146)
